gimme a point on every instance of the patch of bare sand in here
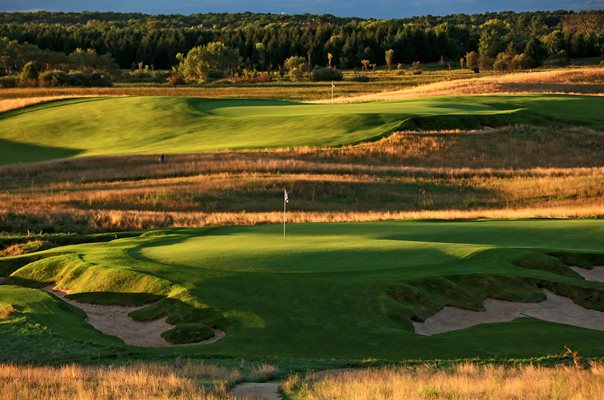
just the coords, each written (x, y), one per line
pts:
(595, 274)
(115, 321)
(557, 309)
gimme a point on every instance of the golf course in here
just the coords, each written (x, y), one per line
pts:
(337, 291)
(151, 125)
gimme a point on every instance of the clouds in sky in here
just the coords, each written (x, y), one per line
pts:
(346, 8)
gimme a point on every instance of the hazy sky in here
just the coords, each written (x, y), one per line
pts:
(346, 8)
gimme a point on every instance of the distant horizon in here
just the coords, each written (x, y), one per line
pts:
(378, 9)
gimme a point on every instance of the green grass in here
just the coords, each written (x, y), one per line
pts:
(135, 125)
(326, 291)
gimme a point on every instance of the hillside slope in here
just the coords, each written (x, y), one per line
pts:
(146, 125)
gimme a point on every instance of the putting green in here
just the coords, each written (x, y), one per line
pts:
(341, 291)
(139, 125)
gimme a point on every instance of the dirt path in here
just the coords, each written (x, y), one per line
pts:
(557, 309)
(257, 391)
(114, 321)
(270, 390)
(596, 274)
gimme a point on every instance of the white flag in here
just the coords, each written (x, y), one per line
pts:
(332, 85)
(285, 198)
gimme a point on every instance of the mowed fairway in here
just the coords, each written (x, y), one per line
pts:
(143, 125)
(325, 291)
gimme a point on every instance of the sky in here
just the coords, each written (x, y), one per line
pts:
(343, 8)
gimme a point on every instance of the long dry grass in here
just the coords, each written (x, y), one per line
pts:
(572, 81)
(466, 381)
(504, 173)
(384, 85)
(139, 381)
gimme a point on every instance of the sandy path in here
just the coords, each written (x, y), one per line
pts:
(270, 390)
(114, 321)
(557, 309)
(596, 274)
(257, 391)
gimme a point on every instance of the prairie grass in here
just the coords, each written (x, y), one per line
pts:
(572, 81)
(8, 104)
(137, 381)
(511, 172)
(384, 85)
(465, 381)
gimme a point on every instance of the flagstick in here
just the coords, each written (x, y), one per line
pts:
(332, 86)
(284, 209)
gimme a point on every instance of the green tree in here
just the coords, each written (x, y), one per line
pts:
(389, 58)
(260, 55)
(535, 53)
(494, 36)
(212, 61)
(90, 61)
(296, 67)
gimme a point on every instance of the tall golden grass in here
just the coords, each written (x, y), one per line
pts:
(448, 175)
(587, 80)
(134, 382)
(465, 381)
(383, 86)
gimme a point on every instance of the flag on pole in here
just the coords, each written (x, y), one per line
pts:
(332, 85)
(285, 201)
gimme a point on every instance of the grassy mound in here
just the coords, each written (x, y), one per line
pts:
(343, 291)
(188, 333)
(83, 127)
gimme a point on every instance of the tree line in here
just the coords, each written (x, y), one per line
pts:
(264, 42)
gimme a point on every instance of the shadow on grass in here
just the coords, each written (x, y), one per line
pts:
(15, 152)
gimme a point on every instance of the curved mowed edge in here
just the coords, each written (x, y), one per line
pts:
(152, 125)
(342, 313)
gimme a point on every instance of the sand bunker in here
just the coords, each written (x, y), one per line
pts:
(114, 321)
(557, 309)
(596, 274)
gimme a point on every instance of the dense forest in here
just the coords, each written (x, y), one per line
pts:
(89, 48)
(155, 40)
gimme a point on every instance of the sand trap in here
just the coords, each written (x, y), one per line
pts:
(596, 274)
(114, 321)
(557, 309)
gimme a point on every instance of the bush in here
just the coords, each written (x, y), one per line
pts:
(95, 79)
(54, 78)
(188, 333)
(326, 74)
(9, 81)
(360, 78)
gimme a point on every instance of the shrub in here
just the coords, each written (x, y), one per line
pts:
(188, 333)
(95, 79)
(29, 74)
(360, 78)
(296, 67)
(9, 81)
(53, 78)
(326, 74)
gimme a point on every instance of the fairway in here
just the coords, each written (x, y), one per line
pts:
(144, 125)
(326, 291)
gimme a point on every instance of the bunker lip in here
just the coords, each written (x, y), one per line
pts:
(596, 274)
(114, 321)
(556, 309)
